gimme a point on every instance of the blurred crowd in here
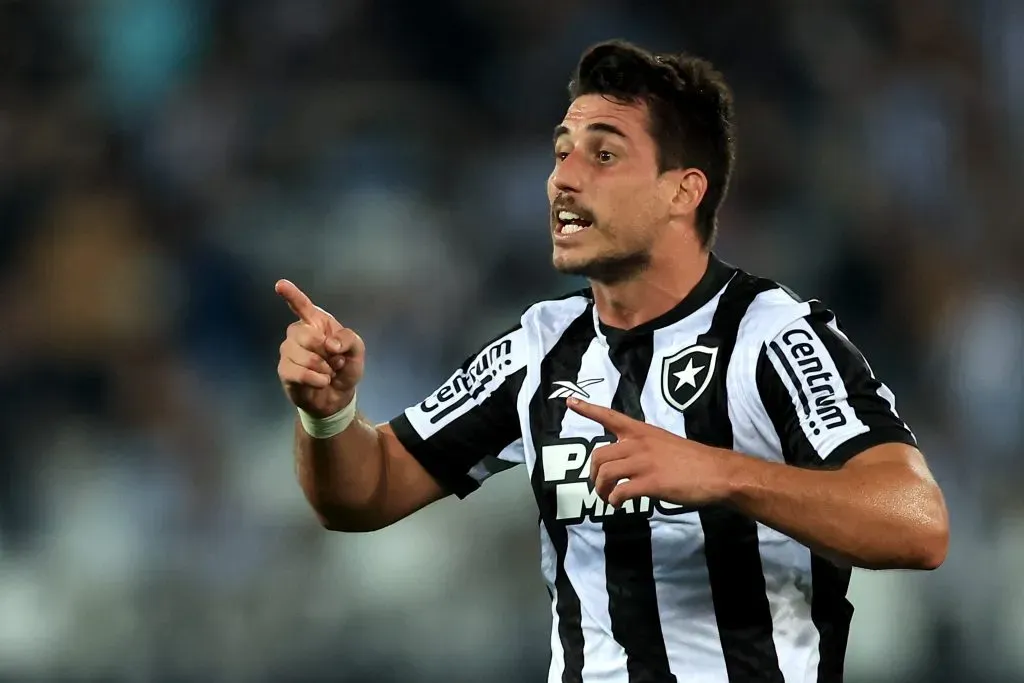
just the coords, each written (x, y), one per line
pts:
(163, 162)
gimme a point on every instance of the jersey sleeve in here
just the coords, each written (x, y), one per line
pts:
(468, 429)
(821, 396)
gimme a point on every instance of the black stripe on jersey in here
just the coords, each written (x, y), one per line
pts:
(804, 403)
(730, 540)
(629, 561)
(862, 392)
(831, 613)
(873, 383)
(564, 360)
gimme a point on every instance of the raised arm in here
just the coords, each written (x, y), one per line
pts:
(363, 478)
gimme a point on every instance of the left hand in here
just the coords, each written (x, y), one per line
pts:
(649, 461)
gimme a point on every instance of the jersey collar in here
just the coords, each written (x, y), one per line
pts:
(716, 276)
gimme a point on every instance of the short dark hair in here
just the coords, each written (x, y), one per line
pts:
(690, 108)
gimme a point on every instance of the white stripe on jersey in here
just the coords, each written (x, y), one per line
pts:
(753, 433)
(604, 659)
(544, 325)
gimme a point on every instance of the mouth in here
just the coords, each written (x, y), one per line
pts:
(568, 223)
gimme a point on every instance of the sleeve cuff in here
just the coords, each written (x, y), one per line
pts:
(848, 450)
(450, 477)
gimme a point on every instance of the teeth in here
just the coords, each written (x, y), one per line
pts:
(566, 216)
(571, 228)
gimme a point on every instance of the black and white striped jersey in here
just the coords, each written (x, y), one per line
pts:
(653, 592)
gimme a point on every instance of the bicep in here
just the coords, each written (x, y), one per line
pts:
(408, 487)
(892, 455)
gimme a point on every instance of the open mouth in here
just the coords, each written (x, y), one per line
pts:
(570, 223)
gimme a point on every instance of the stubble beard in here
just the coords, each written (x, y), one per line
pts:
(611, 269)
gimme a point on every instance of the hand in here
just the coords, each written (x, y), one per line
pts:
(321, 361)
(649, 461)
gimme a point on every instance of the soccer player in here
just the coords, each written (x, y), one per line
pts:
(709, 454)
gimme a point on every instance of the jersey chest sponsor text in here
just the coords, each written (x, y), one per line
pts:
(566, 464)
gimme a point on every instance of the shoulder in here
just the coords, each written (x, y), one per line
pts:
(773, 307)
(546, 320)
(774, 310)
(559, 309)
(509, 350)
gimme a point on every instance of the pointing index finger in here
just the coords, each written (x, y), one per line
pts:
(297, 300)
(615, 421)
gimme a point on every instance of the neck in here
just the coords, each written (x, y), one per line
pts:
(658, 289)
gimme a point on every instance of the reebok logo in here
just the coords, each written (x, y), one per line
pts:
(567, 389)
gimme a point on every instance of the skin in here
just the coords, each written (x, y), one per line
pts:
(642, 255)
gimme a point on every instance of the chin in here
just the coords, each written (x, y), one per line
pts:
(607, 270)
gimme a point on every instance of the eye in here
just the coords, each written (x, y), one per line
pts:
(605, 156)
(561, 156)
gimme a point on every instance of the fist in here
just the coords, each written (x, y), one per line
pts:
(321, 360)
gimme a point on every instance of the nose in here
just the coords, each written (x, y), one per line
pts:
(567, 175)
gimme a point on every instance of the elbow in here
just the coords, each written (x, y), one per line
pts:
(354, 514)
(933, 534)
(348, 526)
(934, 546)
(346, 521)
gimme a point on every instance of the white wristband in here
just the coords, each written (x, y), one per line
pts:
(332, 425)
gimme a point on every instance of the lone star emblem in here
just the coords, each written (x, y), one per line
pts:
(687, 376)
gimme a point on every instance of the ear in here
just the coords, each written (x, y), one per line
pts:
(689, 185)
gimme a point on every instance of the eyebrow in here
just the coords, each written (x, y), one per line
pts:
(594, 128)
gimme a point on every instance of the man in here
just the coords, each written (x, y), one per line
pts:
(709, 455)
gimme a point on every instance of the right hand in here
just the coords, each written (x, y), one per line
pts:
(321, 361)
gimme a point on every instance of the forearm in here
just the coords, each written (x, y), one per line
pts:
(883, 515)
(343, 477)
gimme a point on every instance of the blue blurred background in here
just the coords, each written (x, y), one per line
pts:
(163, 162)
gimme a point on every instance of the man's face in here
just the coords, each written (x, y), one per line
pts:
(608, 201)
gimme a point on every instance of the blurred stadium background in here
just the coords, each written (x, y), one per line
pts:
(163, 162)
